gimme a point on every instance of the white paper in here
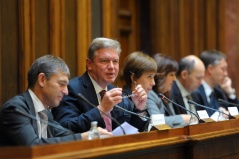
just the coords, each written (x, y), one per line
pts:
(157, 119)
(215, 116)
(233, 110)
(129, 129)
(202, 114)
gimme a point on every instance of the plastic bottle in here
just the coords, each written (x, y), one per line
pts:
(93, 134)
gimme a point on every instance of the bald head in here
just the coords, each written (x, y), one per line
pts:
(191, 72)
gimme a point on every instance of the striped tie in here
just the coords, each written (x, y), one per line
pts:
(43, 115)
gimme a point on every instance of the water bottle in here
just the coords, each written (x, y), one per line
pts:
(93, 134)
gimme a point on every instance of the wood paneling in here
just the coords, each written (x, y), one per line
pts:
(9, 50)
(83, 33)
(180, 28)
(32, 28)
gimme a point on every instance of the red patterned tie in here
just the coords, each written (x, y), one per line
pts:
(107, 120)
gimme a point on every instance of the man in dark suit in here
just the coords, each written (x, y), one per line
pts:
(19, 123)
(189, 76)
(216, 83)
(102, 69)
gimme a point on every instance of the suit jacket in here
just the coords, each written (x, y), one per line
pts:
(199, 96)
(176, 96)
(77, 115)
(18, 129)
(156, 106)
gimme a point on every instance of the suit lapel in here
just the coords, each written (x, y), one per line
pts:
(204, 97)
(31, 108)
(178, 99)
(89, 89)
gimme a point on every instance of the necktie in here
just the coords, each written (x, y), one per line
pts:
(43, 115)
(213, 103)
(107, 120)
(191, 107)
(102, 93)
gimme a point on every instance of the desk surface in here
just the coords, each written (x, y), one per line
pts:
(196, 141)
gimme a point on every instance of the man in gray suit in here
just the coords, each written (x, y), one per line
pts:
(47, 84)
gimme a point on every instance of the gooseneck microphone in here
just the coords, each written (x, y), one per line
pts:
(143, 116)
(164, 97)
(226, 102)
(22, 112)
(80, 96)
(206, 107)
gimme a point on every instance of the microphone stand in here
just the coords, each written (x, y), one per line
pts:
(80, 96)
(199, 105)
(226, 102)
(22, 112)
(164, 97)
(230, 103)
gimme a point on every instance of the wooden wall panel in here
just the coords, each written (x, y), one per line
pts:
(83, 31)
(109, 19)
(180, 28)
(231, 39)
(9, 50)
(40, 18)
(0, 53)
(32, 28)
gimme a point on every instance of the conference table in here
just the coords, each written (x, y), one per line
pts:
(210, 140)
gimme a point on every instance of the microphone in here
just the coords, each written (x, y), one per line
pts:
(143, 116)
(164, 97)
(226, 102)
(80, 96)
(203, 106)
(22, 112)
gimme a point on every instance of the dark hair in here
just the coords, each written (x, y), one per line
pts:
(211, 57)
(165, 65)
(185, 64)
(48, 65)
(137, 63)
(99, 43)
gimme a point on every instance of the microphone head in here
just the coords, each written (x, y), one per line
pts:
(160, 95)
(80, 96)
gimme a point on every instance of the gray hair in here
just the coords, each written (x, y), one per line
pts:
(49, 65)
(99, 43)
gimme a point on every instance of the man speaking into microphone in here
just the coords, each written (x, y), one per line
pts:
(21, 117)
(102, 66)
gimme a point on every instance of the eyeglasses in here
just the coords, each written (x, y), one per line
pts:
(127, 96)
